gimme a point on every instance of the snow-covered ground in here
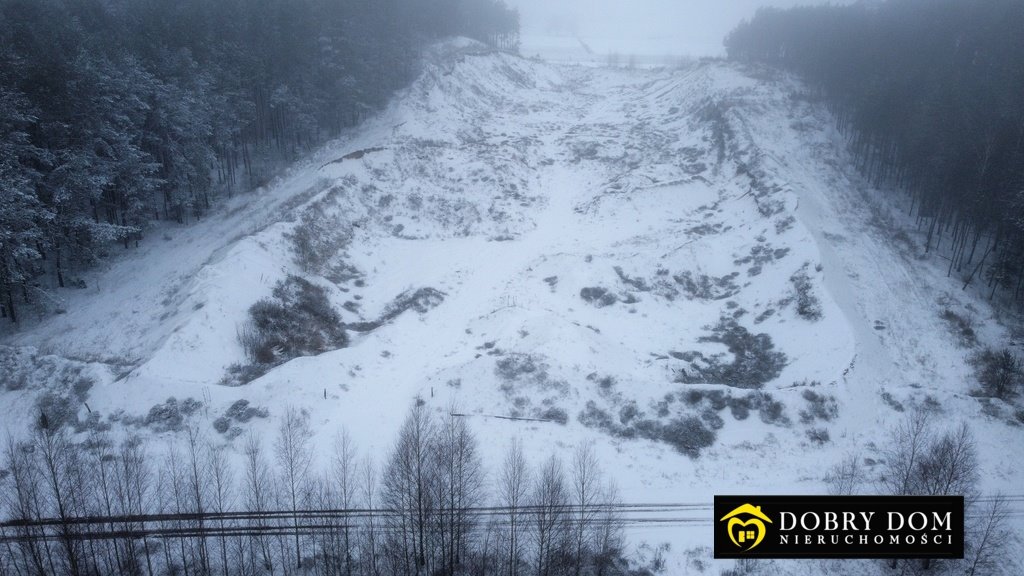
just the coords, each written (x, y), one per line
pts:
(687, 198)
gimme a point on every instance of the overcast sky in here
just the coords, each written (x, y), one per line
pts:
(694, 27)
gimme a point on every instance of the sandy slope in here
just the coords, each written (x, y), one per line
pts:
(510, 186)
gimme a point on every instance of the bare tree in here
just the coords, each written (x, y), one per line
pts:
(323, 497)
(920, 461)
(177, 476)
(407, 491)
(242, 556)
(101, 462)
(58, 460)
(1000, 372)
(513, 494)
(950, 467)
(950, 464)
(368, 489)
(222, 494)
(8, 562)
(990, 539)
(197, 483)
(433, 489)
(164, 505)
(259, 498)
(549, 501)
(23, 500)
(344, 470)
(845, 477)
(586, 490)
(609, 539)
(133, 478)
(488, 556)
(293, 458)
(910, 440)
(458, 487)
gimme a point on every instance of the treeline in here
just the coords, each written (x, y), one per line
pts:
(929, 94)
(117, 112)
(432, 509)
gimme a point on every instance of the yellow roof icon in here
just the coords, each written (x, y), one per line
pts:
(748, 509)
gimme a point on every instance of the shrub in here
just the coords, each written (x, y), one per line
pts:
(740, 406)
(771, 410)
(693, 396)
(555, 414)
(599, 297)
(740, 410)
(10, 366)
(628, 413)
(242, 412)
(594, 417)
(662, 406)
(704, 287)
(81, 386)
(784, 224)
(605, 383)
(892, 402)
(961, 327)
(170, 416)
(998, 371)
(239, 374)
(817, 435)
(635, 283)
(687, 435)
(297, 321)
(807, 304)
(255, 344)
(422, 301)
(931, 404)
(514, 366)
(56, 411)
(819, 407)
(317, 239)
(762, 254)
(24, 367)
(991, 409)
(718, 399)
(755, 360)
(712, 419)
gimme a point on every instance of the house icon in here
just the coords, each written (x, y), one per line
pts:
(752, 528)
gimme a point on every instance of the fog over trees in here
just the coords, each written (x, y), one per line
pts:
(115, 113)
(928, 94)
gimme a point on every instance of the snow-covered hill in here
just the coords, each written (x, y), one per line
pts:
(600, 244)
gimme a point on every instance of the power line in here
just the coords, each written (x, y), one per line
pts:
(311, 522)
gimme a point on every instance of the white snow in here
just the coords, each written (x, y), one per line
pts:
(498, 173)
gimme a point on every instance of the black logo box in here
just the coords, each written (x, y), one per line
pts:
(884, 540)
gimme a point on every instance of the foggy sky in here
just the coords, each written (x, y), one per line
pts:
(694, 27)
